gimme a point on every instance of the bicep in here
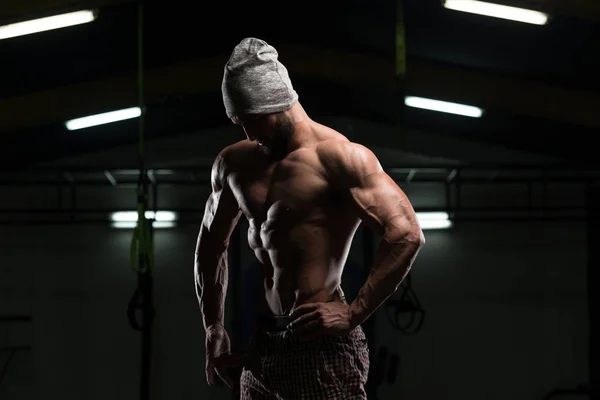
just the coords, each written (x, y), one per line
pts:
(383, 206)
(221, 215)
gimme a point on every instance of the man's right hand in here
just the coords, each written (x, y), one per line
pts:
(218, 355)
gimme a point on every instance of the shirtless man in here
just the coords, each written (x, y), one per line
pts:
(304, 189)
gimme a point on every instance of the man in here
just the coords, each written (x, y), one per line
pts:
(304, 189)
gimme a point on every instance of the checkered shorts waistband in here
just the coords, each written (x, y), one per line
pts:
(272, 342)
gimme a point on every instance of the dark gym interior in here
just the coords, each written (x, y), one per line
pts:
(500, 302)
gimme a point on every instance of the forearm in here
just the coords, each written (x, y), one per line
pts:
(211, 271)
(392, 263)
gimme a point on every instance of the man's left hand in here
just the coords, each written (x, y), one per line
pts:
(310, 321)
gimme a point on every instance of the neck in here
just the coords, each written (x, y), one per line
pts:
(297, 115)
(303, 128)
(302, 136)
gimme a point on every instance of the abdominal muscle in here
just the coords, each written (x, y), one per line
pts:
(299, 265)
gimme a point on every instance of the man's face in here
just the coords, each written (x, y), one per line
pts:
(271, 131)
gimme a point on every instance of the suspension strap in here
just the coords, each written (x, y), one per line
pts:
(400, 66)
(142, 252)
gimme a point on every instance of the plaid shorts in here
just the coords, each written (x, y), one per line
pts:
(281, 367)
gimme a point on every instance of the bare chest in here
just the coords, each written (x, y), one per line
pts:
(290, 187)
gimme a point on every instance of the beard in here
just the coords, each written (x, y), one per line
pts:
(284, 129)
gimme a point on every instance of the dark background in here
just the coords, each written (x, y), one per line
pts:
(504, 292)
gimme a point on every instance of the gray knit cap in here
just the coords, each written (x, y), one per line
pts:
(255, 82)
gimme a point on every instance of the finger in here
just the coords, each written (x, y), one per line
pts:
(303, 309)
(308, 327)
(222, 373)
(303, 319)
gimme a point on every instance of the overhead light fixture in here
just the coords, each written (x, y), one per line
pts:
(434, 220)
(46, 24)
(128, 219)
(132, 216)
(104, 118)
(132, 225)
(443, 106)
(498, 11)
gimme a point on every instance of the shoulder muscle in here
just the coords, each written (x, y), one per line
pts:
(379, 201)
(347, 163)
(221, 210)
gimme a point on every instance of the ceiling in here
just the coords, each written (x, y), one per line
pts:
(539, 85)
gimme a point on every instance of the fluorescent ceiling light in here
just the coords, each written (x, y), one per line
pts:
(431, 225)
(434, 220)
(164, 224)
(498, 11)
(46, 24)
(132, 225)
(132, 216)
(105, 118)
(433, 216)
(443, 106)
